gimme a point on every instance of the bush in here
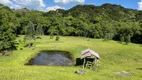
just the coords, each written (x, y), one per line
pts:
(57, 38)
(51, 35)
(128, 39)
(38, 37)
(20, 44)
(122, 39)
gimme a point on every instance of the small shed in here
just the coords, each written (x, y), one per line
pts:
(90, 58)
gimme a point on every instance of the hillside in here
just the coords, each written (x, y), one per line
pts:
(108, 21)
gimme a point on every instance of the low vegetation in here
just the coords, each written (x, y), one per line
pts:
(115, 57)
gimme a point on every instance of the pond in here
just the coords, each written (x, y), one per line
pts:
(52, 58)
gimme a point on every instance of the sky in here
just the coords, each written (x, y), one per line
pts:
(47, 5)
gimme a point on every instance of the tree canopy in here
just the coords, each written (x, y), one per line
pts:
(108, 21)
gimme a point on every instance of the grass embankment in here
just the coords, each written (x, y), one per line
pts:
(114, 57)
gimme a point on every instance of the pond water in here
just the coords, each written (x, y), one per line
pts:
(52, 58)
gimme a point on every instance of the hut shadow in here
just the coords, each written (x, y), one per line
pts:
(79, 62)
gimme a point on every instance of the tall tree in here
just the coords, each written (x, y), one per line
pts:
(30, 31)
(7, 28)
(7, 38)
(39, 30)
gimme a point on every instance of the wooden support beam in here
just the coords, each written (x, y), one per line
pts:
(84, 63)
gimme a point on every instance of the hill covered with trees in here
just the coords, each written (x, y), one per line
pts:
(108, 22)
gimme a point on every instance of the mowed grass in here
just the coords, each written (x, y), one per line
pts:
(115, 57)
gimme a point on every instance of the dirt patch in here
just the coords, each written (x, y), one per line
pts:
(123, 73)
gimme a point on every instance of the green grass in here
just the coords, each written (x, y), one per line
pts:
(114, 57)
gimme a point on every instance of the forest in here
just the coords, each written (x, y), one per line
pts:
(108, 22)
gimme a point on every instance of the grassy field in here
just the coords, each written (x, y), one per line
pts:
(115, 57)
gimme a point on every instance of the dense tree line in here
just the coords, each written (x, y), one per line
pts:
(108, 21)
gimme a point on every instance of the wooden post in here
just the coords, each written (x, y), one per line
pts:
(93, 63)
(84, 63)
(96, 63)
